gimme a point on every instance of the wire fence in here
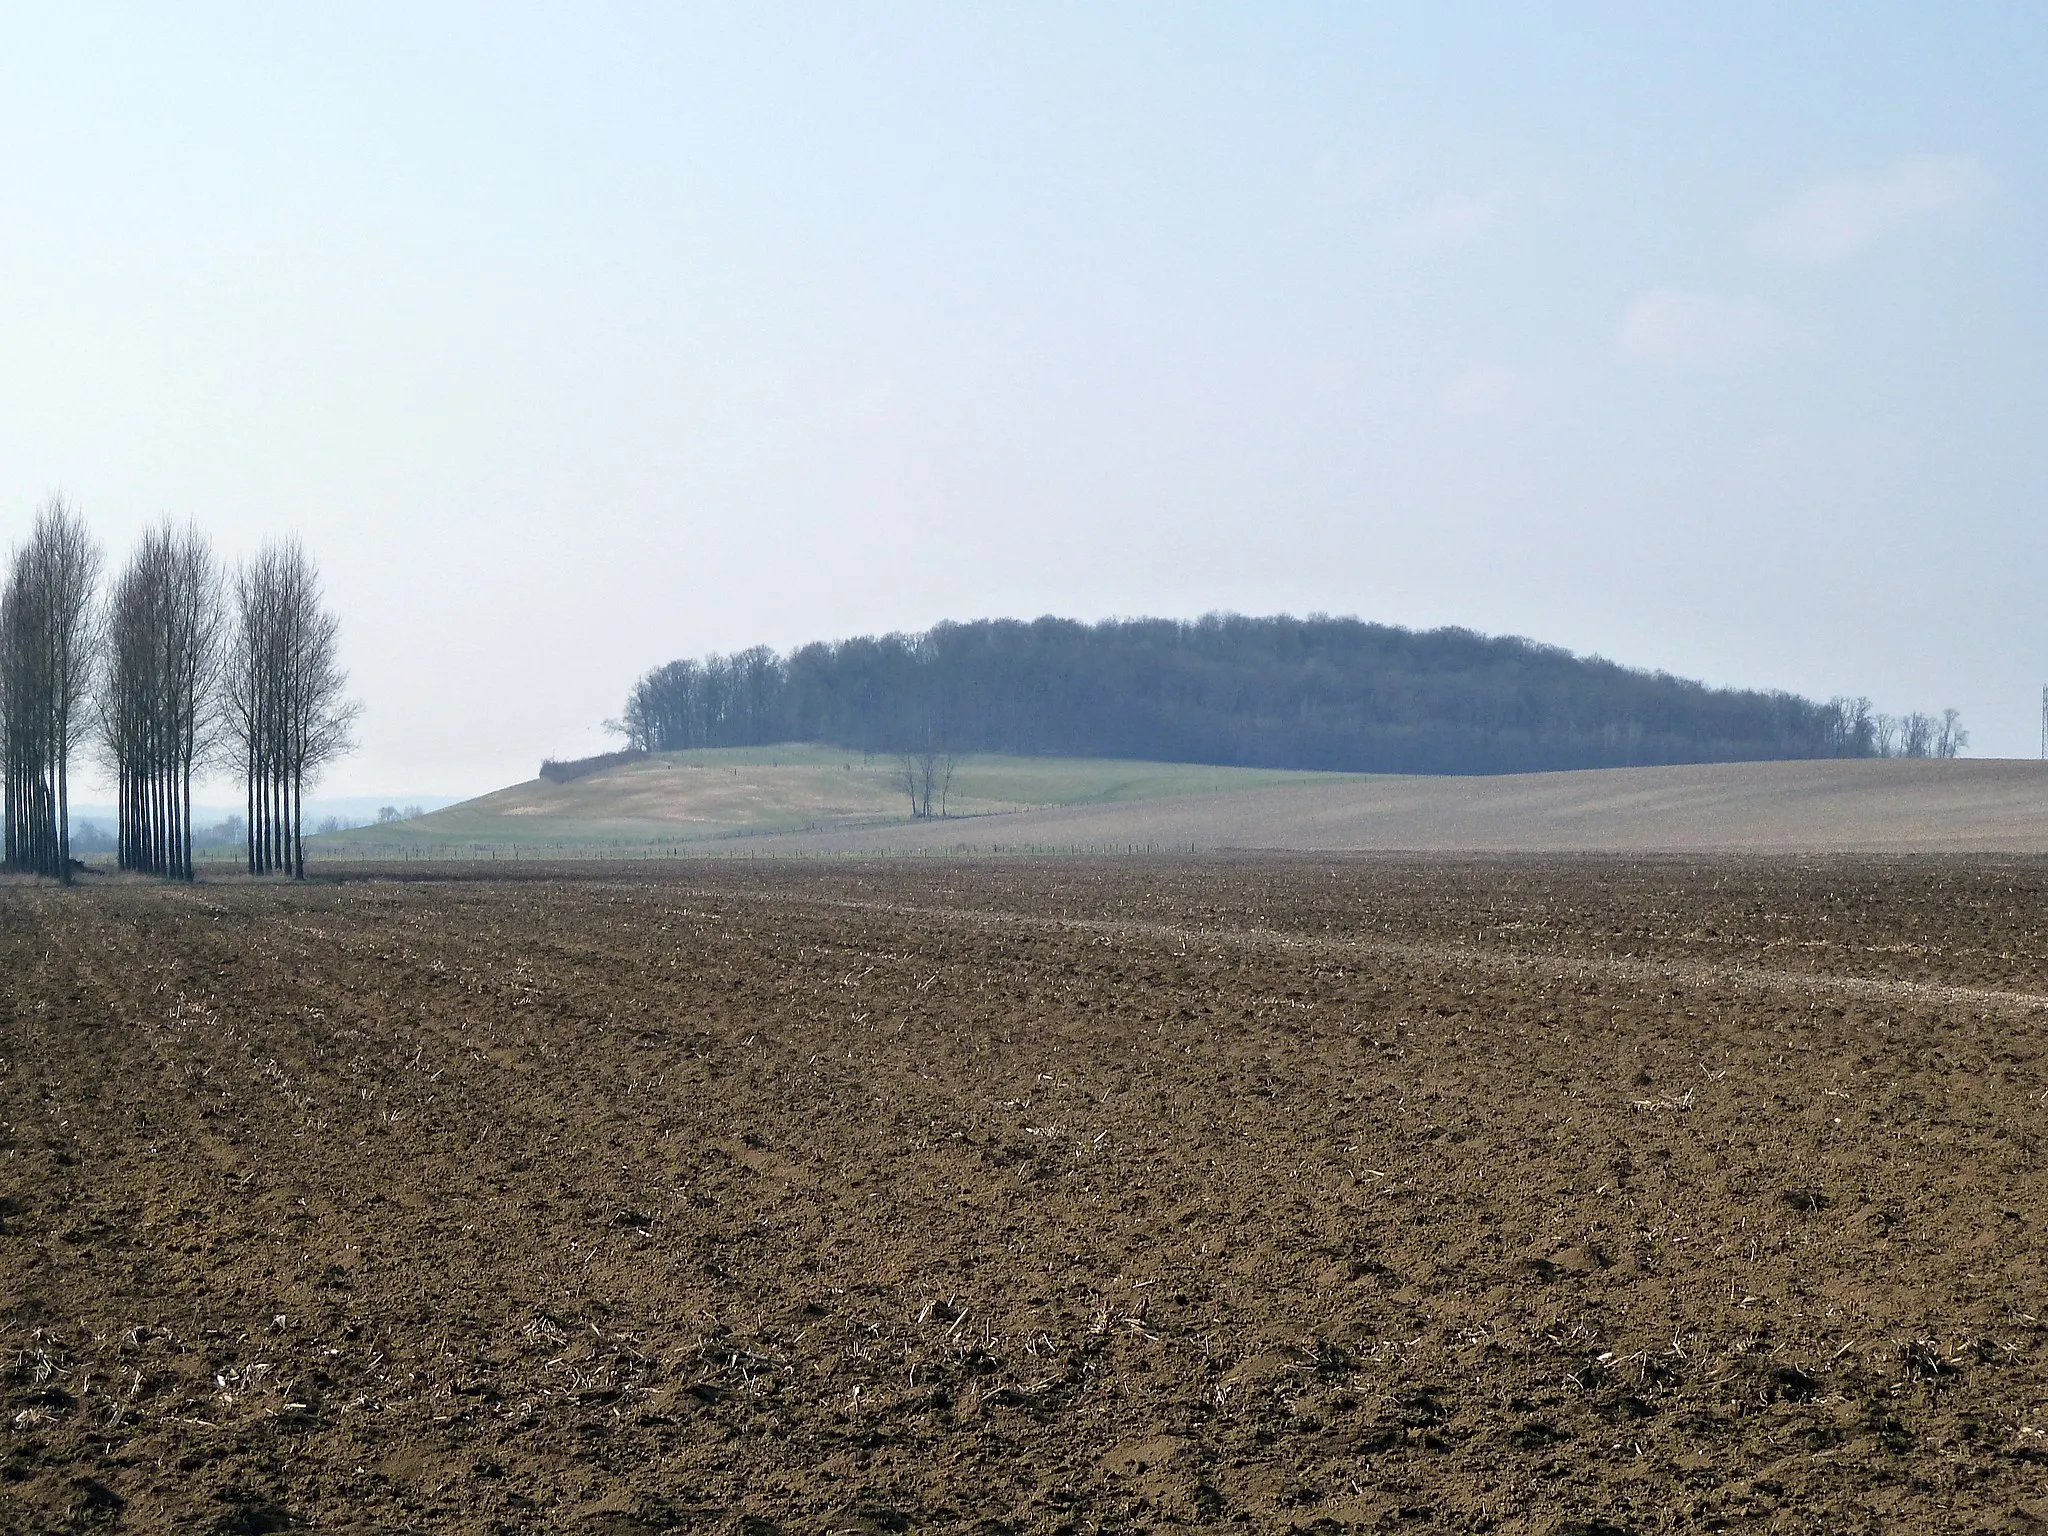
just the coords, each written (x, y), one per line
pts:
(570, 851)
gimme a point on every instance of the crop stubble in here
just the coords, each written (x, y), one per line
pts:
(1513, 1194)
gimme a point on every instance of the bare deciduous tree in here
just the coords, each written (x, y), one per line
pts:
(1949, 736)
(46, 659)
(1855, 728)
(927, 778)
(285, 705)
(159, 704)
(1916, 735)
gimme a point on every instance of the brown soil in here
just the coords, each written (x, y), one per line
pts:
(1516, 1195)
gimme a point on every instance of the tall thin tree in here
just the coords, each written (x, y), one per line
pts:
(158, 698)
(286, 708)
(46, 664)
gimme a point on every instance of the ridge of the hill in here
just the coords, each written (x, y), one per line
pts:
(1330, 694)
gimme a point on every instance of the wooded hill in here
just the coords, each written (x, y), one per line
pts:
(1281, 692)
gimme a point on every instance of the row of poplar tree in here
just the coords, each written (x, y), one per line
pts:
(181, 666)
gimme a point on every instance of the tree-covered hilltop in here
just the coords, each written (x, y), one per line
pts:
(1259, 692)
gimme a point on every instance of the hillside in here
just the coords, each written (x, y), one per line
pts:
(1830, 806)
(810, 801)
(719, 794)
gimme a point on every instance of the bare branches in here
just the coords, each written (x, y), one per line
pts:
(722, 701)
(159, 701)
(1918, 735)
(284, 693)
(926, 774)
(1949, 736)
(46, 659)
(162, 679)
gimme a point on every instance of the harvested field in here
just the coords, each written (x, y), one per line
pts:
(1546, 1195)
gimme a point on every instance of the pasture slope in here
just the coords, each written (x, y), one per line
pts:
(1831, 805)
(714, 795)
(807, 800)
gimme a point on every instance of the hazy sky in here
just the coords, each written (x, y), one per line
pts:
(1709, 337)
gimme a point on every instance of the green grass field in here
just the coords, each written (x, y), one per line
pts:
(673, 799)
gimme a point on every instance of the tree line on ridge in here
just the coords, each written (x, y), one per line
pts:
(1278, 692)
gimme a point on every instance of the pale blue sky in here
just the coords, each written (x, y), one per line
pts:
(575, 339)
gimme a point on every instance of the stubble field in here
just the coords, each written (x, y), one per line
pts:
(1522, 1194)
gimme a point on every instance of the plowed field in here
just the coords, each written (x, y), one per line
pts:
(1497, 1195)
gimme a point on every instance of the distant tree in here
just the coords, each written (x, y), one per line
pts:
(287, 710)
(926, 776)
(721, 701)
(250, 695)
(1949, 736)
(1916, 735)
(1273, 692)
(1855, 728)
(158, 693)
(228, 832)
(756, 696)
(387, 814)
(46, 665)
(92, 837)
(913, 785)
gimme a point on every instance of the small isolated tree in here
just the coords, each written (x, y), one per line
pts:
(924, 761)
(286, 711)
(46, 664)
(910, 775)
(926, 775)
